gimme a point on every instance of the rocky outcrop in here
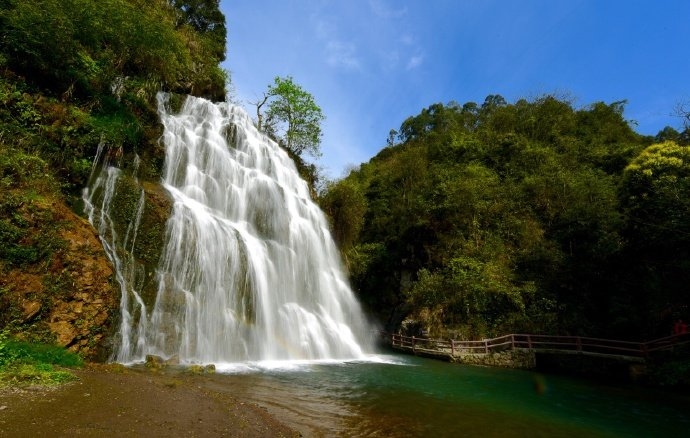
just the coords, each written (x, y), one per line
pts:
(68, 296)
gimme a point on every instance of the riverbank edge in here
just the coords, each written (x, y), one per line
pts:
(112, 399)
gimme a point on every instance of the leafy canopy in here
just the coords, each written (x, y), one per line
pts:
(83, 47)
(292, 117)
(479, 220)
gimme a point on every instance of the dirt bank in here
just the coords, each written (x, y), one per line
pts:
(113, 401)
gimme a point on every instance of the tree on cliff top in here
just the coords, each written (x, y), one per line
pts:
(292, 117)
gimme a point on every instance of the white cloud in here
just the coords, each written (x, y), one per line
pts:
(342, 54)
(339, 53)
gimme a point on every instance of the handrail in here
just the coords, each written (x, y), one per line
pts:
(580, 344)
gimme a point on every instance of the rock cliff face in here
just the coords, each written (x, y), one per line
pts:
(68, 297)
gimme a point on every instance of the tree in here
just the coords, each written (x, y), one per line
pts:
(655, 187)
(654, 197)
(205, 17)
(80, 48)
(667, 134)
(683, 111)
(292, 117)
(346, 205)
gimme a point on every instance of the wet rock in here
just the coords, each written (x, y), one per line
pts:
(195, 369)
(154, 362)
(201, 369)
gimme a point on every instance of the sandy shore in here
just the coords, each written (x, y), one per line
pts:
(113, 401)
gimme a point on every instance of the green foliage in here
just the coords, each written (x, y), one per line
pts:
(654, 197)
(654, 187)
(38, 353)
(507, 217)
(654, 193)
(24, 181)
(22, 363)
(346, 205)
(8, 354)
(34, 374)
(78, 72)
(83, 47)
(293, 117)
(205, 17)
(372, 274)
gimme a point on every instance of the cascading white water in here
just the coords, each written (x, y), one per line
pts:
(249, 270)
(128, 272)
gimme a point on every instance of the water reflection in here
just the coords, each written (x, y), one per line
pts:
(409, 397)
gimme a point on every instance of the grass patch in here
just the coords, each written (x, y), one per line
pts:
(43, 353)
(19, 373)
(23, 363)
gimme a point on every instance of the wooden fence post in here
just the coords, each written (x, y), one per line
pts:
(578, 340)
(512, 341)
(413, 343)
(452, 347)
(486, 346)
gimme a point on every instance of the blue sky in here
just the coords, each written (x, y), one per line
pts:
(370, 64)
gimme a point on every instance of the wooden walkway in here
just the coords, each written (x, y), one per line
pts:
(625, 350)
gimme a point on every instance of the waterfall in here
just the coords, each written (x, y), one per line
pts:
(98, 201)
(248, 269)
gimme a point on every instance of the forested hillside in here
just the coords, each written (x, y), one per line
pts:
(535, 216)
(75, 74)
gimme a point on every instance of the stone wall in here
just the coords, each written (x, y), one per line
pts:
(522, 359)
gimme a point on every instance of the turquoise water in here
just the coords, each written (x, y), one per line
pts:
(408, 396)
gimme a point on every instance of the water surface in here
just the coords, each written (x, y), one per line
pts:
(404, 396)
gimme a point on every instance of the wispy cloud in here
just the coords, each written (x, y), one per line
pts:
(342, 54)
(381, 9)
(339, 53)
(412, 49)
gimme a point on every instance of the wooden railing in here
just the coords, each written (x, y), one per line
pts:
(540, 343)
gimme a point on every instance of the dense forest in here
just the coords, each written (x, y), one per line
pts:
(533, 216)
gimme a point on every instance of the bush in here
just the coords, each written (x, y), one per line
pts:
(8, 354)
